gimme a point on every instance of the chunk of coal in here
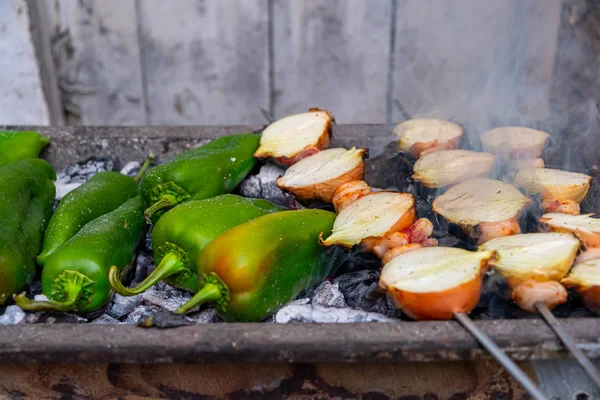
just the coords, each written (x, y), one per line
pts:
(167, 297)
(12, 315)
(164, 319)
(143, 265)
(263, 186)
(361, 290)
(148, 240)
(358, 260)
(88, 168)
(53, 318)
(140, 313)
(105, 319)
(319, 314)
(205, 316)
(34, 289)
(328, 294)
(63, 189)
(131, 169)
(123, 305)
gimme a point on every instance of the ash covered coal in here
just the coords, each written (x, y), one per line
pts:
(262, 185)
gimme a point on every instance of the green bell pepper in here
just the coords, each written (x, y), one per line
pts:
(16, 146)
(75, 276)
(200, 173)
(251, 270)
(182, 233)
(101, 194)
(27, 196)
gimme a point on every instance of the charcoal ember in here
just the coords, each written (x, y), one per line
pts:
(328, 294)
(164, 319)
(12, 315)
(43, 317)
(262, 185)
(131, 168)
(166, 297)
(319, 314)
(140, 313)
(105, 319)
(123, 305)
(361, 290)
(143, 265)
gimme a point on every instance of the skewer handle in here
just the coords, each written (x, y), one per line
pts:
(568, 342)
(487, 343)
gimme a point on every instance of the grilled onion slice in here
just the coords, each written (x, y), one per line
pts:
(515, 142)
(449, 167)
(435, 282)
(536, 256)
(320, 175)
(585, 279)
(484, 208)
(295, 137)
(375, 215)
(585, 227)
(560, 190)
(421, 136)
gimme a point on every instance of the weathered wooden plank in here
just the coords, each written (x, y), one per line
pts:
(206, 61)
(478, 63)
(21, 97)
(96, 48)
(334, 55)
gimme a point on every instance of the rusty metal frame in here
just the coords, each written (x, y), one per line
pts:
(522, 339)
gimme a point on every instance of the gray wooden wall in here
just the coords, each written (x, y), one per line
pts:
(187, 62)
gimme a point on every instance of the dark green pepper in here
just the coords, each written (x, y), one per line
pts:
(16, 146)
(26, 197)
(75, 276)
(200, 173)
(182, 233)
(251, 270)
(101, 194)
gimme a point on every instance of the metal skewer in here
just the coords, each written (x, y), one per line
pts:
(568, 342)
(487, 343)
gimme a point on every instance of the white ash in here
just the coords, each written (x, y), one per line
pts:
(168, 298)
(63, 189)
(12, 315)
(43, 317)
(310, 313)
(83, 171)
(140, 313)
(147, 243)
(263, 186)
(131, 168)
(206, 316)
(105, 319)
(328, 294)
(40, 297)
(143, 265)
(123, 305)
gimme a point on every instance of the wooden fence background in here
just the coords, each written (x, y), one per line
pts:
(188, 62)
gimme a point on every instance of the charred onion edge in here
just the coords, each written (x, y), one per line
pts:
(325, 190)
(322, 143)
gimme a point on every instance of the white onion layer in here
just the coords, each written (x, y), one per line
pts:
(449, 167)
(553, 184)
(426, 130)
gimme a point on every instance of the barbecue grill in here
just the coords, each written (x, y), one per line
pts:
(521, 337)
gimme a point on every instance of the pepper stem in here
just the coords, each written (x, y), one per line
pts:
(144, 167)
(165, 195)
(213, 290)
(174, 262)
(71, 290)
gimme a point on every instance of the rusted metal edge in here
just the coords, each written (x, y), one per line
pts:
(305, 343)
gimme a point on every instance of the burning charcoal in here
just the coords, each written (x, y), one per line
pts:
(12, 315)
(105, 319)
(328, 294)
(320, 314)
(168, 298)
(123, 305)
(164, 319)
(131, 168)
(143, 265)
(361, 290)
(263, 186)
(140, 313)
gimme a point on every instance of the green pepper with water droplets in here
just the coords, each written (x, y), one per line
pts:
(75, 276)
(253, 269)
(181, 234)
(207, 171)
(17, 146)
(27, 196)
